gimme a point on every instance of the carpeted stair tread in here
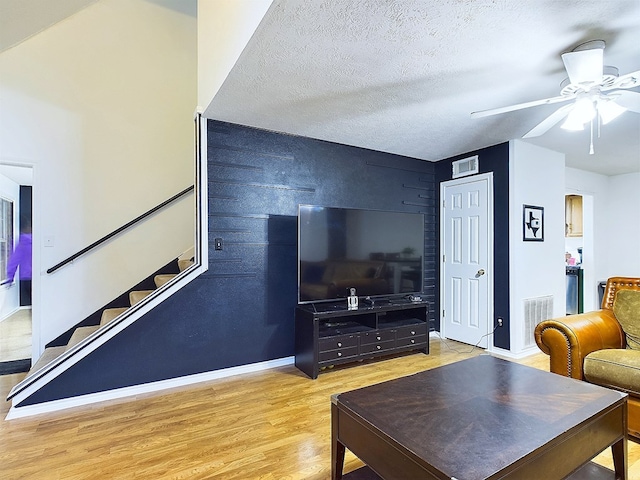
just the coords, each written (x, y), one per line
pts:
(184, 264)
(49, 354)
(108, 315)
(162, 279)
(137, 295)
(111, 313)
(80, 334)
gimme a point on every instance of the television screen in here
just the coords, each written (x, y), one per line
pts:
(378, 253)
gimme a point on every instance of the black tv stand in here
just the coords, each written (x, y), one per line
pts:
(330, 334)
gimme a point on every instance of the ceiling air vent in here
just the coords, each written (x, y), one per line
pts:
(464, 167)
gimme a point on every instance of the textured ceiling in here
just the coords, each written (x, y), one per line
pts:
(402, 76)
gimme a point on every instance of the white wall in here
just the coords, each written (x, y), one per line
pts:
(10, 294)
(623, 226)
(224, 28)
(536, 177)
(101, 104)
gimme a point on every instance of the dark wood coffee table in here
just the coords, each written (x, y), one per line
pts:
(481, 418)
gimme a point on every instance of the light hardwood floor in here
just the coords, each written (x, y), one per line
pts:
(268, 425)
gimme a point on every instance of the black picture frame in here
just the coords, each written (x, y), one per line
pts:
(532, 223)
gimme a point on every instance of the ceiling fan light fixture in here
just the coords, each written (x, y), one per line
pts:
(572, 124)
(609, 110)
(582, 112)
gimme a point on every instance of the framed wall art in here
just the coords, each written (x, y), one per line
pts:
(532, 223)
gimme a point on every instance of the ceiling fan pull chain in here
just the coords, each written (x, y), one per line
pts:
(591, 146)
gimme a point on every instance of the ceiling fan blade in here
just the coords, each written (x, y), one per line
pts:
(549, 122)
(520, 106)
(627, 99)
(629, 80)
(584, 65)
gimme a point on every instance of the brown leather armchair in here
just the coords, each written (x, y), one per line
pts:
(568, 340)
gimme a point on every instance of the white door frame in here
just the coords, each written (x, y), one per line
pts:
(488, 177)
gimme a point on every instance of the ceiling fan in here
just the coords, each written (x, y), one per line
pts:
(599, 93)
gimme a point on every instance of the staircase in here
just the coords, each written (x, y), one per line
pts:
(108, 316)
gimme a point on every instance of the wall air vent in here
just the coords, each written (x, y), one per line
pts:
(464, 167)
(535, 311)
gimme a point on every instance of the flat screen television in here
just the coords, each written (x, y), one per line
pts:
(378, 253)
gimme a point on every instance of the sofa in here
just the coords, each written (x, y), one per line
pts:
(601, 347)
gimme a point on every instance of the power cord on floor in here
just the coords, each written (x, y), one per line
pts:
(442, 340)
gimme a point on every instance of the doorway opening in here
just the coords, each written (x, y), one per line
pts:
(16, 331)
(582, 284)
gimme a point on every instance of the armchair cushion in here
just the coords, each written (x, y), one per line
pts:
(615, 368)
(626, 308)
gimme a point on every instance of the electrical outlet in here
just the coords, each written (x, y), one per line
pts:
(217, 243)
(499, 322)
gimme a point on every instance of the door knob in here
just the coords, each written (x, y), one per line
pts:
(480, 272)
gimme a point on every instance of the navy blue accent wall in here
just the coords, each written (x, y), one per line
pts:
(242, 310)
(257, 179)
(492, 159)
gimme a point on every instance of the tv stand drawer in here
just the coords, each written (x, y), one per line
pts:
(418, 340)
(411, 330)
(331, 355)
(334, 343)
(377, 347)
(376, 337)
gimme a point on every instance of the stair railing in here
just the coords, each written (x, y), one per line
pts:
(120, 230)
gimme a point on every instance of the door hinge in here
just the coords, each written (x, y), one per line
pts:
(443, 313)
(444, 259)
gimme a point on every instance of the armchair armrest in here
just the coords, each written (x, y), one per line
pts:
(569, 339)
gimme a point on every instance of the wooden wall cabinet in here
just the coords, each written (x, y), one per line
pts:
(573, 215)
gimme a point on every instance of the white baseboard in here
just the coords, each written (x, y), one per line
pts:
(509, 355)
(56, 405)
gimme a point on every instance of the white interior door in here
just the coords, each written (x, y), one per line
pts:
(466, 281)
